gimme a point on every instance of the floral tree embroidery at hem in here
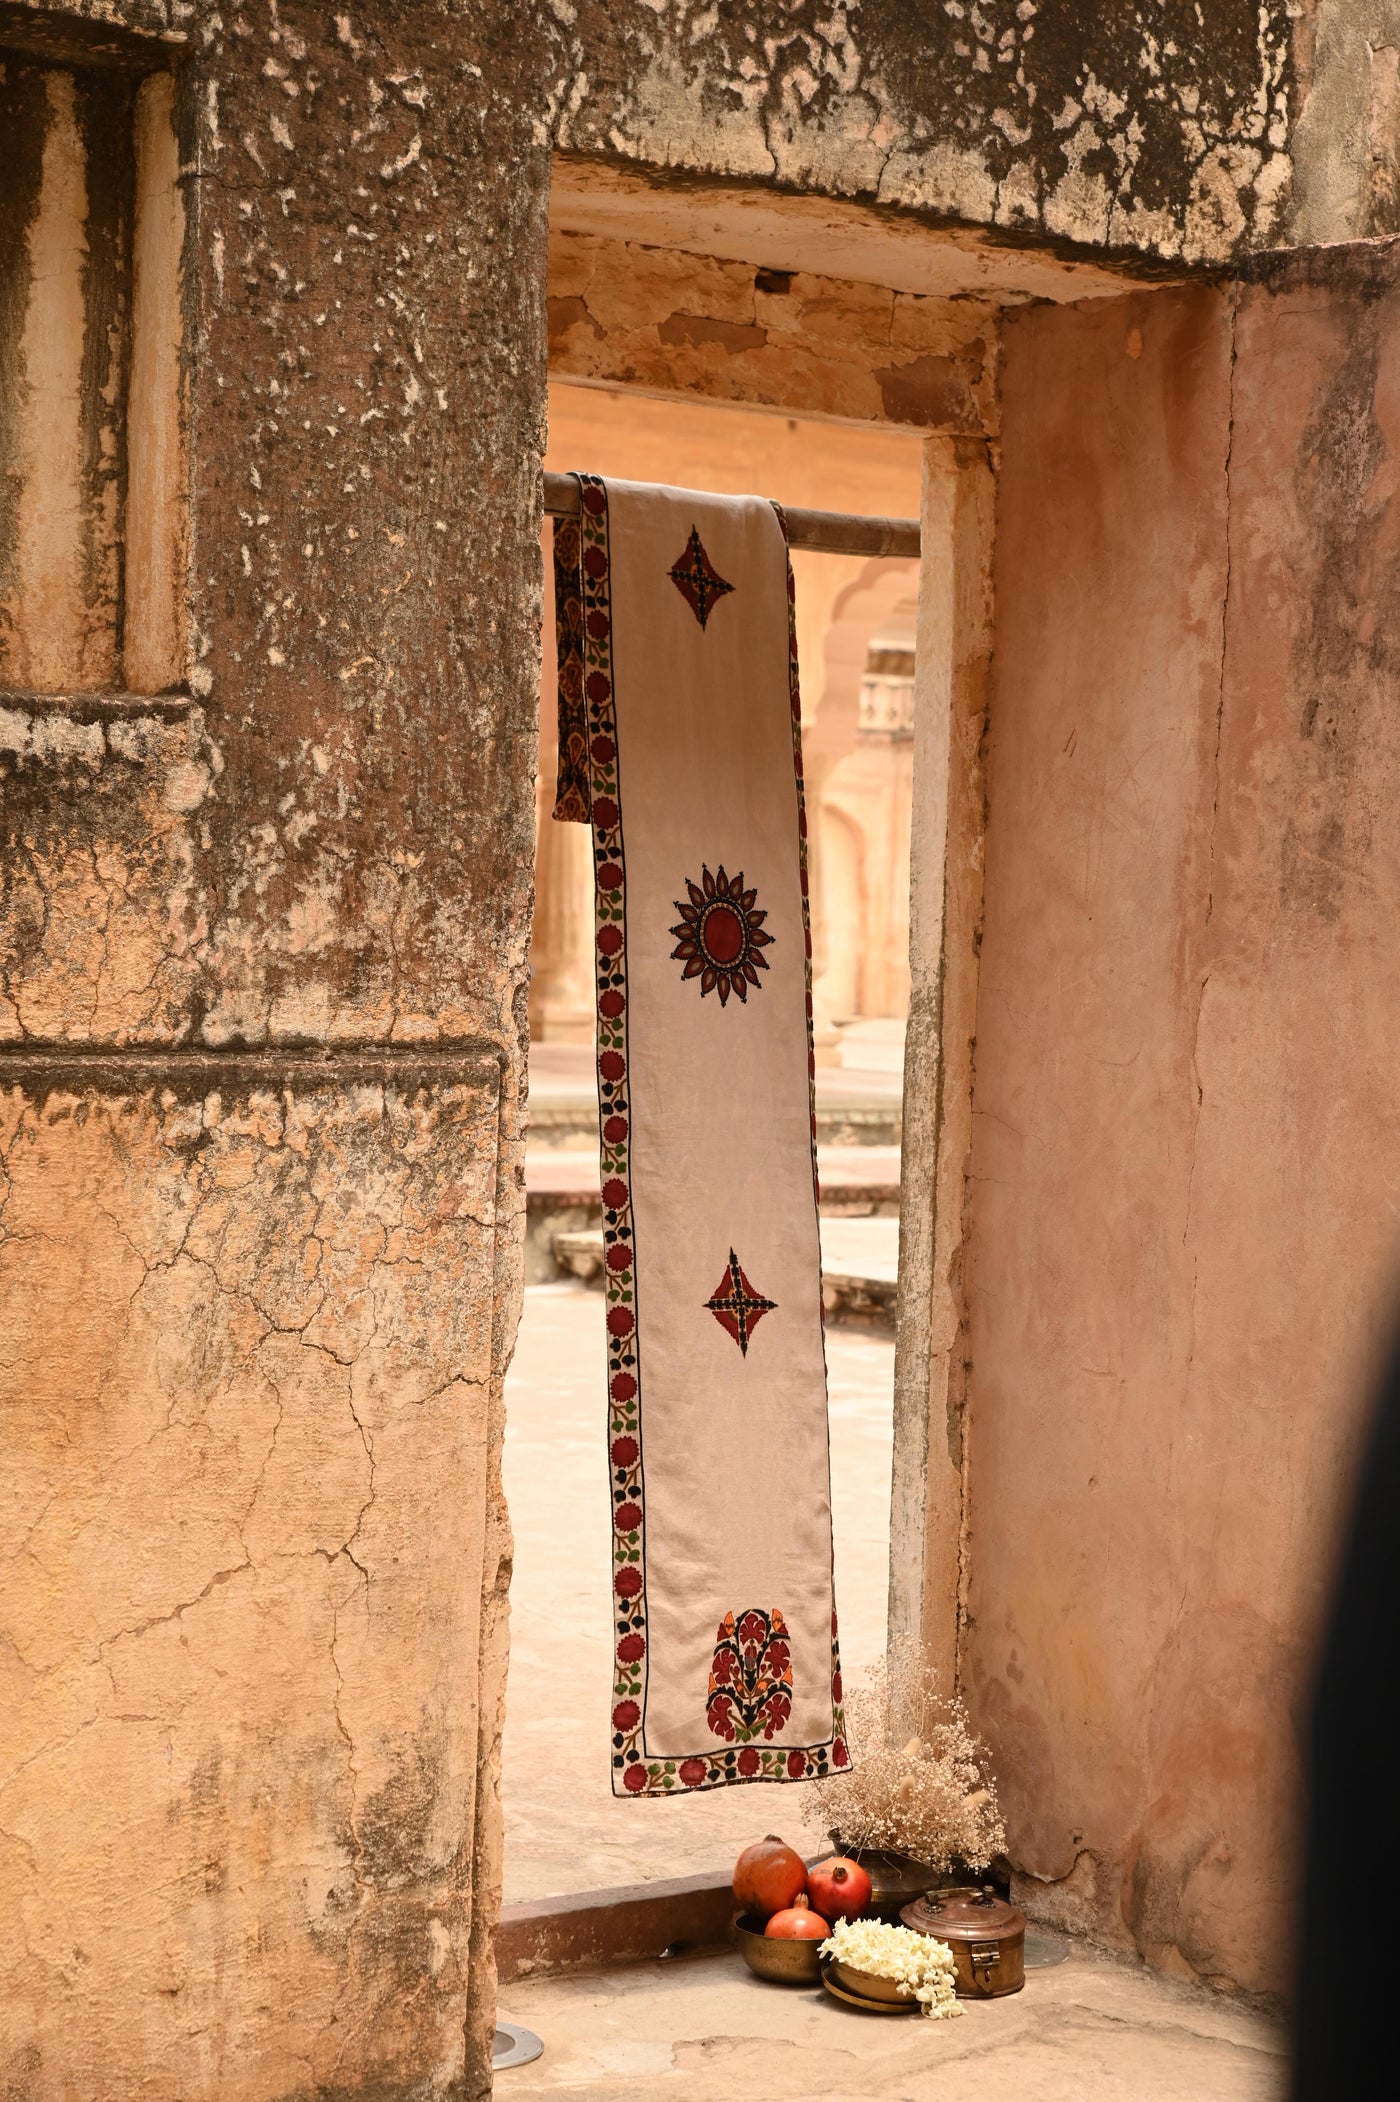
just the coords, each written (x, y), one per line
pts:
(721, 937)
(751, 1677)
(697, 580)
(736, 1306)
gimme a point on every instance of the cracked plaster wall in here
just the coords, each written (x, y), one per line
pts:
(262, 1001)
(236, 1821)
(1163, 135)
(1181, 1192)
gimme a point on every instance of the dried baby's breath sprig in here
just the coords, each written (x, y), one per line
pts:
(918, 1782)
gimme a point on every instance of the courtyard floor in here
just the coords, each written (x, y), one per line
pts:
(703, 2030)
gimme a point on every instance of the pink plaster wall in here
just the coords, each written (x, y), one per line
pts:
(1186, 1144)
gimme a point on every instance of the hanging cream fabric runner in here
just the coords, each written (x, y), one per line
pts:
(680, 725)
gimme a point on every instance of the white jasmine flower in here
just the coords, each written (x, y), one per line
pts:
(921, 1967)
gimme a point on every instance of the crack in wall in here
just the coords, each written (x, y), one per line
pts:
(1203, 987)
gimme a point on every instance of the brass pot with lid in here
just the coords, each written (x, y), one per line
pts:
(986, 1935)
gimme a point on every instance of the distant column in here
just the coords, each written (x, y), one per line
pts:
(561, 949)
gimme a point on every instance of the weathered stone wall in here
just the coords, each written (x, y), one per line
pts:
(264, 967)
(1346, 129)
(1163, 136)
(665, 322)
(1186, 1105)
(262, 977)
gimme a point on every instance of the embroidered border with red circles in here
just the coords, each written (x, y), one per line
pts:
(840, 1753)
(633, 1772)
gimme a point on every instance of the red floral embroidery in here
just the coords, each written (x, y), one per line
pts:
(721, 937)
(751, 1676)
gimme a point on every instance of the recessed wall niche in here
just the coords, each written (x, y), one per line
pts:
(91, 455)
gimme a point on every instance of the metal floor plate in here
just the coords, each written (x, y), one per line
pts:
(514, 2047)
(1044, 1949)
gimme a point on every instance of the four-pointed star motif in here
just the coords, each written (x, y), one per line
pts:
(736, 1306)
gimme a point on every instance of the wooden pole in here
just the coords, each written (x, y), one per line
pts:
(820, 532)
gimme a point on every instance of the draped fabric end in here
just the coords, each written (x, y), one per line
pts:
(571, 795)
(680, 741)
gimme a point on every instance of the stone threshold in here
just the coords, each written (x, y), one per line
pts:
(630, 1923)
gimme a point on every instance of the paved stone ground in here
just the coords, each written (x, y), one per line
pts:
(704, 2030)
(564, 1830)
(564, 1072)
(870, 1247)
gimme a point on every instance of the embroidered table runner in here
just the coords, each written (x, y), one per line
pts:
(680, 739)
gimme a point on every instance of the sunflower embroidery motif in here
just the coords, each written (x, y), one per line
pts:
(721, 937)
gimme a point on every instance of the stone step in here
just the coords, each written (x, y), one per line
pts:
(563, 1198)
(857, 1105)
(569, 1123)
(860, 1263)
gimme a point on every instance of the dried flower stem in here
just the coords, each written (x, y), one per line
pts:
(927, 1794)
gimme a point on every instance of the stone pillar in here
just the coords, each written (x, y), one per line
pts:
(261, 1020)
(826, 1036)
(948, 824)
(561, 944)
(561, 937)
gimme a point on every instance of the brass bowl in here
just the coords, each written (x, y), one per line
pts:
(777, 1962)
(864, 1985)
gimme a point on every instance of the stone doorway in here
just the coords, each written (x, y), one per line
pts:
(857, 636)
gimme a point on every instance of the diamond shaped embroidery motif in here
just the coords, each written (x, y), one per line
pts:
(697, 580)
(736, 1306)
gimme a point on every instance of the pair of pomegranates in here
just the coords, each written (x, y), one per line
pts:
(798, 1903)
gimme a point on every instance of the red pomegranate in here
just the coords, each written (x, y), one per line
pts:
(768, 1876)
(797, 1923)
(840, 1888)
